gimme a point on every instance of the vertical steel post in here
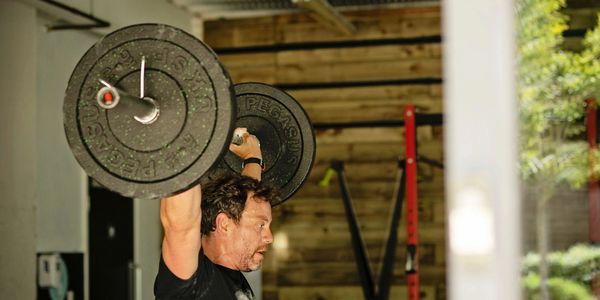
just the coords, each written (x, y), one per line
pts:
(387, 270)
(364, 270)
(412, 217)
(593, 186)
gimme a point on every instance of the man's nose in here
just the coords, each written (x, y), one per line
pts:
(268, 238)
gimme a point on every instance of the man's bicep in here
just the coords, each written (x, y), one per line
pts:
(181, 218)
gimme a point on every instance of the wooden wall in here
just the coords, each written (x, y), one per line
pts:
(341, 78)
(582, 15)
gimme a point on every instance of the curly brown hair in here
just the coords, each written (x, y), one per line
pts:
(228, 193)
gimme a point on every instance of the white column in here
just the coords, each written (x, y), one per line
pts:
(481, 150)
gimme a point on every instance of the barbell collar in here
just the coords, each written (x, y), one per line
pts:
(144, 110)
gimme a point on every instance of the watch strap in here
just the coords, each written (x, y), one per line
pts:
(253, 160)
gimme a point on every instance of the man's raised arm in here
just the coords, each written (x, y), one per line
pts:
(249, 149)
(180, 216)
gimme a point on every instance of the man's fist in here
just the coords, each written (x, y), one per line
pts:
(250, 146)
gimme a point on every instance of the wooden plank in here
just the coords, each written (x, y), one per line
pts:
(358, 54)
(370, 171)
(264, 74)
(315, 211)
(370, 135)
(372, 190)
(428, 254)
(249, 60)
(375, 152)
(240, 32)
(362, 135)
(359, 71)
(368, 93)
(330, 233)
(336, 231)
(336, 274)
(340, 249)
(582, 17)
(326, 112)
(583, 3)
(381, 189)
(572, 44)
(385, 171)
(431, 211)
(428, 292)
(437, 90)
(365, 189)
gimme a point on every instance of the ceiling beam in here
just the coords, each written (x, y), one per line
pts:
(327, 15)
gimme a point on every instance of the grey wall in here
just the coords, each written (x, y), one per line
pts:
(18, 169)
(43, 191)
(61, 184)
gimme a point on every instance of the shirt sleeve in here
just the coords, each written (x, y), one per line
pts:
(168, 286)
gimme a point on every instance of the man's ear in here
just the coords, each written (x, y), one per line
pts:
(222, 223)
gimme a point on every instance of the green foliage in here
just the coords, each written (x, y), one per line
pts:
(571, 273)
(579, 264)
(559, 289)
(552, 86)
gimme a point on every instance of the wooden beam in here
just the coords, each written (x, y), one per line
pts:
(324, 13)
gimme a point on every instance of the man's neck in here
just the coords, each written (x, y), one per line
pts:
(215, 251)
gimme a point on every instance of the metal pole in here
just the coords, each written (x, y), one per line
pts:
(387, 270)
(364, 270)
(593, 186)
(412, 209)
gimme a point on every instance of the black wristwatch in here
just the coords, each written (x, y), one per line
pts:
(253, 160)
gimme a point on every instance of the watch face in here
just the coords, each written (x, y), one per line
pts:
(174, 115)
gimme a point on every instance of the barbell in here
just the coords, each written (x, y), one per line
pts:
(149, 111)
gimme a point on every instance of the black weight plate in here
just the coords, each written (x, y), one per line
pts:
(195, 97)
(284, 131)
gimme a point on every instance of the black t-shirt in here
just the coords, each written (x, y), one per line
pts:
(210, 282)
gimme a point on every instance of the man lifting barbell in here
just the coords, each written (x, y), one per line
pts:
(148, 113)
(214, 233)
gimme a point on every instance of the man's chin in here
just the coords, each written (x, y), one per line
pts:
(253, 268)
(256, 263)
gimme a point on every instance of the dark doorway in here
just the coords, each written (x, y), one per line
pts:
(111, 244)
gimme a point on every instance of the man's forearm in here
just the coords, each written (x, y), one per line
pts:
(252, 170)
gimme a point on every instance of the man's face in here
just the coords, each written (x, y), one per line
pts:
(253, 234)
